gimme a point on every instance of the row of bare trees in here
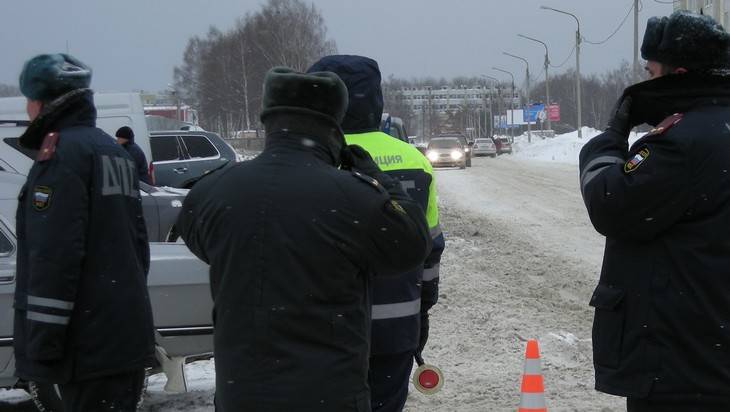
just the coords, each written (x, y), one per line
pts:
(598, 92)
(222, 73)
(7, 90)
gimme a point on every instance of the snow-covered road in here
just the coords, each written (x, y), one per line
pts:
(521, 261)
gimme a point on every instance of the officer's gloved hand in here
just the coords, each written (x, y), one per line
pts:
(620, 123)
(354, 157)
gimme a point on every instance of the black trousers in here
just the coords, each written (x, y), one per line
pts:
(389, 378)
(118, 393)
(688, 405)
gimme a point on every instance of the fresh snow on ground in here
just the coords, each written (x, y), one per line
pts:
(562, 148)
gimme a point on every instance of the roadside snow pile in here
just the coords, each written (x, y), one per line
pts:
(563, 148)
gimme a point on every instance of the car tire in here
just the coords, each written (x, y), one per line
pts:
(468, 162)
(493, 155)
(462, 166)
(45, 396)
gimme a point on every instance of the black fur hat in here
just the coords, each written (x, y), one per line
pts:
(688, 40)
(320, 94)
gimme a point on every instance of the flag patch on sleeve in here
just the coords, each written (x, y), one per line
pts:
(42, 197)
(637, 160)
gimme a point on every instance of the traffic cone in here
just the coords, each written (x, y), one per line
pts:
(532, 392)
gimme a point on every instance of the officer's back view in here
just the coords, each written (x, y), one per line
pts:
(82, 314)
(400, 304)
(291, 241)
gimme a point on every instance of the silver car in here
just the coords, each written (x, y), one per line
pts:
(446, 151)
(484, 147)
(179, 290)
(160, 205)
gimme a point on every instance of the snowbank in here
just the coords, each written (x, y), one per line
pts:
(563, 148)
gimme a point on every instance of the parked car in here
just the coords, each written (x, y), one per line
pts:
(179, 291)
(503, 144)
(465, 143)
(180, 158)
(160, 205)
(446, 151)
(484, 147)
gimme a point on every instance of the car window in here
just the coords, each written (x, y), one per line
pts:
(6, 246)
(443, 144)
(14, 142)
(165, 148)
(199, 146)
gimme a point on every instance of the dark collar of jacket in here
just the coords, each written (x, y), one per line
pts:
(75, 108)
(306, 133)
(654, 100)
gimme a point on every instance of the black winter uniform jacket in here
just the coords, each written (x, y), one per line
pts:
(291, 241)
(140, 160)
(81, 303)
(662, 305)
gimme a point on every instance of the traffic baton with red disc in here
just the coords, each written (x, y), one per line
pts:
(427, 379)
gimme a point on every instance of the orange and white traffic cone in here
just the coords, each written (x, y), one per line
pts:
(532, 392)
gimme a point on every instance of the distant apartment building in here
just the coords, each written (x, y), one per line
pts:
(434, 107)
(445, 99)
(717, 9)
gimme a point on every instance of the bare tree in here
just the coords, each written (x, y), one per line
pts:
(222, 74)
(7, 90)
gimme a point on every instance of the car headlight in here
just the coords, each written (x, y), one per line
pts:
(432, 155)
(456, 155)
(466, 150)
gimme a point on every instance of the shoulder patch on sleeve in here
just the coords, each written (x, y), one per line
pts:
(48, 147)
(42, 197)
(666, 124)
(636, 160)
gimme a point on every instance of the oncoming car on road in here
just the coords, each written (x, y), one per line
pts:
(446, 151)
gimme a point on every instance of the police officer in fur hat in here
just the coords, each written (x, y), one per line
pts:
(82, 314)
(661, 332)
(293, 238)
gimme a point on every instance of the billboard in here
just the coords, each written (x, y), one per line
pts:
(532, 114)
(513, 118)
(553, 112)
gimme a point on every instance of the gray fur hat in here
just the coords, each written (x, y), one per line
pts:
(48, 76)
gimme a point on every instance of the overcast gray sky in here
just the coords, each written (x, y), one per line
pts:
(135, 44)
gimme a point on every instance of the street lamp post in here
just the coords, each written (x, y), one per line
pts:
(547, 78)
(511, 101)
(491, 98)
(577, 63)
(527, 72)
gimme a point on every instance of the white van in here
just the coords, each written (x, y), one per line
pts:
(114, 110)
